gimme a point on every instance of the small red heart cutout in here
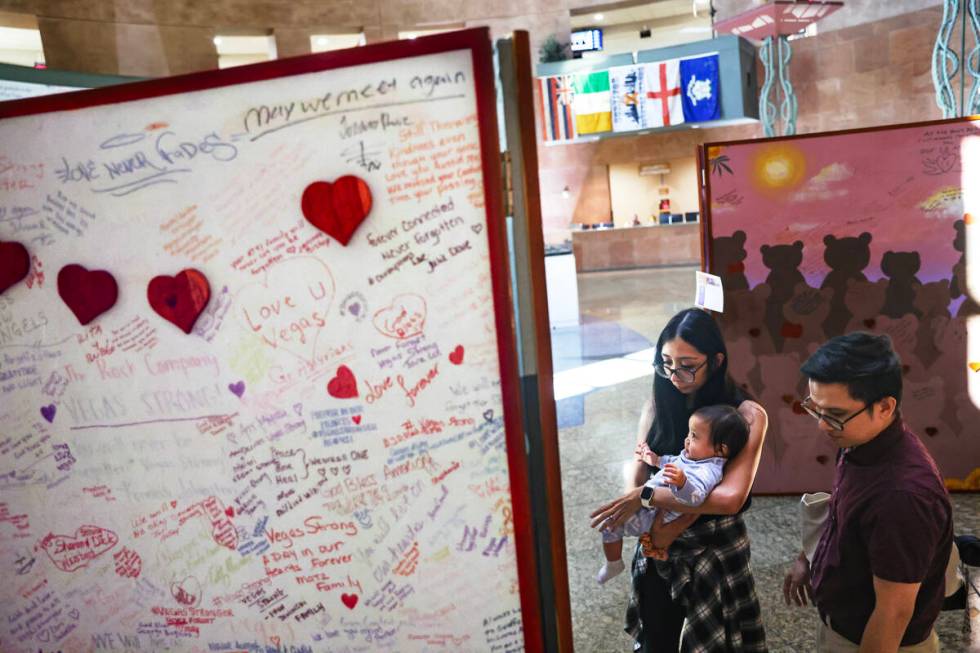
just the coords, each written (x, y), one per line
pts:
(87, 293)
(356, 419)
(931, 431)
(179, 299)
(822, 459)
(15, 263)
(870, 323)
(173, 503)
(230, 511)
(343, 385)
(456, 355)
(791, 330)
(350, 600)
(337, 208)
(787, 399)
(754, 332)
(798, 408)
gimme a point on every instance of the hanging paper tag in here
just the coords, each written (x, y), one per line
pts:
(709, 294)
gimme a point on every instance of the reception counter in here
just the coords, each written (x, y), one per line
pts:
(624, 248)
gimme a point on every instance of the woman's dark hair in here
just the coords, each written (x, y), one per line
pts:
(728, 428)
(672, 408)
(866, 363)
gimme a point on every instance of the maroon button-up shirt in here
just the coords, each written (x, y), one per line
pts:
(890, 517)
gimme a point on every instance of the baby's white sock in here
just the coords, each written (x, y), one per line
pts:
(611, 569)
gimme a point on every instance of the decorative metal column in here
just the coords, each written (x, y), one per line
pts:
(947, 63)
(773, 24)
(778, 48)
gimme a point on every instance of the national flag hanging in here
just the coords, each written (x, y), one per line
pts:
(627, 87)
(662, 100)
(557, 116)
(700, 88)
(592, 103)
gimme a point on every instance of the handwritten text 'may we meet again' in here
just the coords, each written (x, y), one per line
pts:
(269, 117)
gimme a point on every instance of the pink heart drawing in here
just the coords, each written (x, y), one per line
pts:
(402, 319)
(72, 552)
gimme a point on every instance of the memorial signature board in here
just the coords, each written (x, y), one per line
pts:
(253, 373)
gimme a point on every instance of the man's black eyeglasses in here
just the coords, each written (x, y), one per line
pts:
(684, 374)
(833, 422)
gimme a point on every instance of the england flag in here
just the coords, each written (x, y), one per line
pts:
(662, 100)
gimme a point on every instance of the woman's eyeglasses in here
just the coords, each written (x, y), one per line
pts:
(684, 374)
(833, 422)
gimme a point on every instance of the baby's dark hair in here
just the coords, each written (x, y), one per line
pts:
(728, 428)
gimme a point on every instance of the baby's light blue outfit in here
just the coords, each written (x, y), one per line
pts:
(702, 477)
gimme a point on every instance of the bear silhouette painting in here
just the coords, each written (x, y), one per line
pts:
(729, 253)
(846, 258)
(804, 315)
(847, 232)
(901, 268)
(783, 262)
(864, 300)
(932, 303)
(957, 285)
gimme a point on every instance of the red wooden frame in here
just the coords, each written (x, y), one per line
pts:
(478, 42)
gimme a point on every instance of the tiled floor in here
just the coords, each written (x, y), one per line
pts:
(622, 310)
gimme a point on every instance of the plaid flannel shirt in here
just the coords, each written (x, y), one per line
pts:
(708, 573)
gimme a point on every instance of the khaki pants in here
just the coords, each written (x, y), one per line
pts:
(829, 641)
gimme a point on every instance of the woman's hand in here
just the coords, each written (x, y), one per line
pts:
(663, 535)
(616, 512)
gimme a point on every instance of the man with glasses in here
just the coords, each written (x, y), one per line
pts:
(878, 573)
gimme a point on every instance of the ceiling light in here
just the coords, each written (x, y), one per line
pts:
(217, 40)
(598, 17)
(321, 41)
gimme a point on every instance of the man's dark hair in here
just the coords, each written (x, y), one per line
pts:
(728, 428)
(867, 364)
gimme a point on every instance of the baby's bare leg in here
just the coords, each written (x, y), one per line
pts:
(613, 550)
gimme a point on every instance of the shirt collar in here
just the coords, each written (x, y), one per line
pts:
(873, 451)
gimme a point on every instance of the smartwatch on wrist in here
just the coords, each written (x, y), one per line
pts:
(646, 496)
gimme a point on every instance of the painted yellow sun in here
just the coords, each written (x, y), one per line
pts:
(778, 168)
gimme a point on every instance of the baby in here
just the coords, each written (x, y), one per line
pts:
(717, 434)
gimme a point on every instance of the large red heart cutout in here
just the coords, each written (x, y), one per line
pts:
(88, 293)
(15, 263)
(179, 299)
(344, 385)
(337, 208)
